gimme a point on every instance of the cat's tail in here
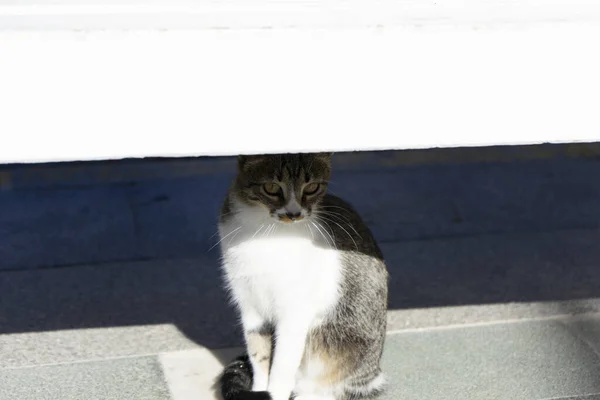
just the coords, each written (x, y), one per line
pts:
(236, 381)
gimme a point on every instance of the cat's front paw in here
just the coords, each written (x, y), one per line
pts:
(259, 386)
(314, 397)
(280, 395)
(260, 382)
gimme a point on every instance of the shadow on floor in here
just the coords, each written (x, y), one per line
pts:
(476, 233)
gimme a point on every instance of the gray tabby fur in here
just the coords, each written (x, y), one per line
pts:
(352, 336)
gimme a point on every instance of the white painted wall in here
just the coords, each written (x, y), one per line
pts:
(97, 80)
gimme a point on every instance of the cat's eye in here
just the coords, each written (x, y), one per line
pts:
(311, 188)
(271, 188)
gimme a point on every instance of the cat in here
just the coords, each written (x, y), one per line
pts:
(309, 282)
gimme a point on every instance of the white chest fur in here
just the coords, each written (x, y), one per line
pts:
(281, 272)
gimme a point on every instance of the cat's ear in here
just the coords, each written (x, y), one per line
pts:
(242, 161)
(245, 160)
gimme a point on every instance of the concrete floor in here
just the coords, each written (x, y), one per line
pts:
(108, 290)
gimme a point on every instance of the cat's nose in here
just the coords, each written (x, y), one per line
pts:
(293, 216)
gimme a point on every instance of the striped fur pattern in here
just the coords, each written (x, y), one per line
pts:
(309, 282)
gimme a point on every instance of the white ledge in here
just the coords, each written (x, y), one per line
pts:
(146, 78)
(164, 14)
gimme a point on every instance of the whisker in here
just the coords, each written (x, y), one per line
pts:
(269, 230)
(338, 207)
(273, 230)
(259, 229)
(341, 227)
(334, 214)
(224, 237)
(329, 187)
(311, 232)
(223, 215)
(328, 234)
(321, 232)
(266, 231)
(230, 212)
(233, 237)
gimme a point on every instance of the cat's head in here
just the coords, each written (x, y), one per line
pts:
(287, 186)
